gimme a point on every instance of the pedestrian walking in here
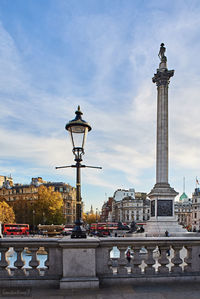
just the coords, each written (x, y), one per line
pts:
(128, 255)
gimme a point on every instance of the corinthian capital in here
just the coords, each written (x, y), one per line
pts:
(162, 77)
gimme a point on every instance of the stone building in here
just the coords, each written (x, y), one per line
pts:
(6, 181)
(118, 196)
(128, 206)
(183, 210)
(25, 195)
(196, 210)
(106, 211)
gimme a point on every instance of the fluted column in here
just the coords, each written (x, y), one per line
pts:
(161, 78)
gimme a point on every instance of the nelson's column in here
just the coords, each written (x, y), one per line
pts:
(162, 195)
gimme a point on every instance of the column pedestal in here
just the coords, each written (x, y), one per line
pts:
(163, 217)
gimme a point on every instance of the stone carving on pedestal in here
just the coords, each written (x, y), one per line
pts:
(152, 208)
(164, 207)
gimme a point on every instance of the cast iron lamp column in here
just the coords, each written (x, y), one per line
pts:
(78, 129)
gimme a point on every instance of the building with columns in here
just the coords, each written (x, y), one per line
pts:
(183, 211)
(196, 210)
(128, 206)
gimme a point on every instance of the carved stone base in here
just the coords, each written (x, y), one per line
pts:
(159, 227)
(163, 190)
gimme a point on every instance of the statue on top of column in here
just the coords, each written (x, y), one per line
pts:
(161, 53)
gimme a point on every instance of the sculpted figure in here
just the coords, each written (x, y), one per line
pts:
(161, 53)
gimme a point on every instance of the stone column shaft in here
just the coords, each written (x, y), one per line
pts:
(161, 78)
(162, 135)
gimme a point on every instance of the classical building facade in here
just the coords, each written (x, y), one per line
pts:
(5, 180)
(183, 210)
(106, 211)
(127, 206)
(196, 210)
(22, 196)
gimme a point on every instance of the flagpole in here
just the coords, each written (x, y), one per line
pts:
(197, 182)
(184, 184)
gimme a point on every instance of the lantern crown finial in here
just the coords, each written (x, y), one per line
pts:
(77, 124)
(78, 112)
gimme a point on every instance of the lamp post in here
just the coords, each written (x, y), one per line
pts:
(78, 129)
(33, 221)
(96, 215)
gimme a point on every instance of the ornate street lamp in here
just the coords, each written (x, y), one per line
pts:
(78, 129)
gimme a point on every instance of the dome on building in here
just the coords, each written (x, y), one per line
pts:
(183, 197)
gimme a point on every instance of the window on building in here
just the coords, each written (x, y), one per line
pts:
(195, 215)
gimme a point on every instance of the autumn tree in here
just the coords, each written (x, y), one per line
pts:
(23, 210)
(91, 218)
(6, 213)
(48, 207)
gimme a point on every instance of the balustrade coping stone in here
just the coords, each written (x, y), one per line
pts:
(79, 243)
(94, 242)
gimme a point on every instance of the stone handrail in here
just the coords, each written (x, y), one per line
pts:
(84, 263)
(18, 274)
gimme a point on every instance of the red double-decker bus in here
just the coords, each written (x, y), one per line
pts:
(15, 229)
(104, 226)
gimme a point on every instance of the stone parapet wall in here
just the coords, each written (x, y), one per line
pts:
(86, 263)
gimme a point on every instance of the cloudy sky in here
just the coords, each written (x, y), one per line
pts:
(101, 55)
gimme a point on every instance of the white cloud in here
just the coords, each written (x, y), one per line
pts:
(117, 98)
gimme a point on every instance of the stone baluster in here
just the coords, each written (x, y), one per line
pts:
(188, 259)
(150, 261)
(34, 263)
(122, 262)
(47, 260)
(176, 260)
(107, 260)
(163, 260)
(136, 260)
(19, 263)
(114, 265)
(4, 263)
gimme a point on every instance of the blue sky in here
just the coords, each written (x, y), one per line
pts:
(101, 55)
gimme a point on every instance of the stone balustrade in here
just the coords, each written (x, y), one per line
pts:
(86, 263)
